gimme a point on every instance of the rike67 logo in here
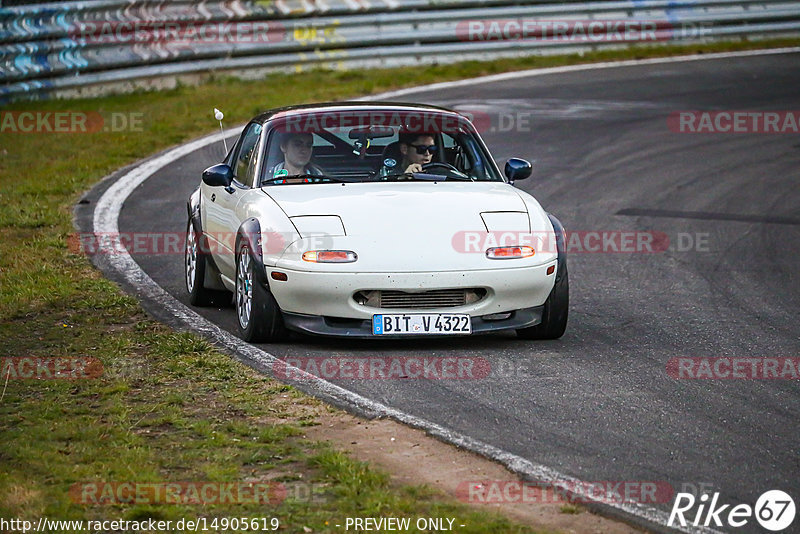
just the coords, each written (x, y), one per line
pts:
(774, 510)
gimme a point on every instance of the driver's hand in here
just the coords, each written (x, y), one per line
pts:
(414, 167)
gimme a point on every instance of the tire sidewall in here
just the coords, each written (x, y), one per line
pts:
(248, 332)
(197, 295)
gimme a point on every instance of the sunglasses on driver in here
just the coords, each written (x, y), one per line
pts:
(421, 149)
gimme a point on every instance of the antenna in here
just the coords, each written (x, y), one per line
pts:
(219, 116)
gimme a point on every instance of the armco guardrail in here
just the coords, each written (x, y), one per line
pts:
(49, 48)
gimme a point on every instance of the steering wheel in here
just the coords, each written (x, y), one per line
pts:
(440, 164)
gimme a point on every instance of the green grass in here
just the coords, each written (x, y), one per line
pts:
(168, 406)
(570, 509)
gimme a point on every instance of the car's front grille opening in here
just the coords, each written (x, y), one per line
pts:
(419, 300)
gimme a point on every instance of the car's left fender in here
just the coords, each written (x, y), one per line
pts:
(276, 231)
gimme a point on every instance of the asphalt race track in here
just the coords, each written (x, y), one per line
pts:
(599, 404)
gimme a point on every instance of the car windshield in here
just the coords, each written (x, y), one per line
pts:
(374, 145)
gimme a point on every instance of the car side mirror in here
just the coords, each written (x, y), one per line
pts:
(517, 169)
(219, 175)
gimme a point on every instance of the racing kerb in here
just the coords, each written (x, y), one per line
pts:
(121, 267)
(59, 48)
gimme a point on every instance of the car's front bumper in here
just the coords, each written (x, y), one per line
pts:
(331, 294)
(362, 328)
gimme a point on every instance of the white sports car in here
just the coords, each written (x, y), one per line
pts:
(373, 220)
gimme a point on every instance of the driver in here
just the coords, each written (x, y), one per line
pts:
(416, 149)
(297, 149)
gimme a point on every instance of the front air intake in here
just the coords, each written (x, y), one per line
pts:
(419, 300)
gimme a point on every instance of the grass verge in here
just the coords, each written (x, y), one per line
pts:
(168, 407)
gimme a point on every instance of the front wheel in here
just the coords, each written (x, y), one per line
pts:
(194, 263)
(555, 313)
(259, 316)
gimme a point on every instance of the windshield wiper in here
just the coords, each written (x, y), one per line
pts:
(427, 177)
(315, 176)
(421, 176)
(462, 177)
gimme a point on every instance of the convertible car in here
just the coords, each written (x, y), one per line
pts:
(373, 220)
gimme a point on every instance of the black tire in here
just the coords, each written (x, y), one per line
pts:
(555, 313)
(261, 321)
(194, 268)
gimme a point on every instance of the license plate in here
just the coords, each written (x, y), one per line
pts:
(429, 323)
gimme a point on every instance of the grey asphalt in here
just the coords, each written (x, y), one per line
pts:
(598, 404)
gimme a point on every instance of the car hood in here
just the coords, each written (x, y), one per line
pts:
(408, 225)
(416, 205)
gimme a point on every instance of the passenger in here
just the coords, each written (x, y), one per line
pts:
(297, 149)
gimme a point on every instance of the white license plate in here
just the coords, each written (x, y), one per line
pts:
(429, 323)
